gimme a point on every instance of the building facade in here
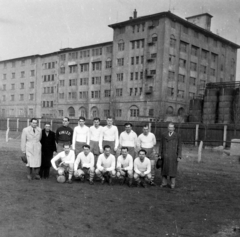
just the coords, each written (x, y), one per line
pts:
(153, 67)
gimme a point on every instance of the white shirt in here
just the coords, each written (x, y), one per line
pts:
(80, 134)
(148, 141)
(126, 163)
(107, 163)
(95, 133)
(128, 139)
(109, 134)
(68, 159)
(140, 166)
(86, 161)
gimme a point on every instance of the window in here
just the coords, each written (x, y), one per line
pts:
(4, 98)
(153, 72)
(119, 76)
(135, 91)
(143, 26)
(12, 86)
(133, 44)
(133, 28)
(182, 63)
(212, 72)
(97, 52)
(137, 60)
(173, 24)
(118, 112)
(83, 81)
(154, 38)
(21, 85)
(184, 29)
(32, 73)
(120, 61)
(71, 112)
(183, 47)
(141, 75)
(61, 83)
(32, 60)
(140, 91)
(119, 92)
(107, 79)
(134, 111)
(142, 43)
(138, 44)
(4, 87)
(109, 49)
(130, 91)
(72, 82)
(22, 62)
(138, 28)
(95, 94)
(151, 112)
(203, 69)
(181, 78)
(171, 76)
(31, 96)
(131, 76)
(191, 95)
(136, 75)
(204, 54)
(96, 66)
(194, 51)
(180, 94)
(73, 55)
(83, 94)
(195, 34)
(61, 95)
(84, 67)
(63, 57)
(72, 95)
(62, 70)
(142, 59)
(73, 69)
(202, 84)
(96, 80)
(170, 91)
(4, 76)
(106, 113)
(13, 75)
(214, 57)
(193, 66)
(22, 74)
(60, 113)
(153, 55)
(155, 22)
(109, 64)
(30, 112)
(132, 60)
(31, 85)
(172, 59)
(4, 65)
(121, 46)
(172, 41)
(192, 81)
(84, 54)
(107, 93)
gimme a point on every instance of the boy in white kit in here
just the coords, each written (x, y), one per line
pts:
(80, 136)
(142, 169)
(94, 137)
(86, 159)
(106, 166)
(67, 158)
(125, 166)
(109, 136)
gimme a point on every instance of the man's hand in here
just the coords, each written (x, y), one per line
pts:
(178, 159)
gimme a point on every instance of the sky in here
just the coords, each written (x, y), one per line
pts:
(29, 27)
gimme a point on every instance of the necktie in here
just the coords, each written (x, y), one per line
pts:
(34, 130)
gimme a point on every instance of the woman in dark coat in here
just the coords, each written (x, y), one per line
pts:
(170, 152)
(48, 150)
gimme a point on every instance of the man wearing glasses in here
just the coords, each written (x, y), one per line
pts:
(64, 135)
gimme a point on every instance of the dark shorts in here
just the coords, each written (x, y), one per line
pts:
(94, 147)
(111, 144)
(79, 147)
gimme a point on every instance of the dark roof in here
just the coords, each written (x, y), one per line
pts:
(203, 14)
(174, 18)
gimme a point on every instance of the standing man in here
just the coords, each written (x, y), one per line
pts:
(94, 137)
(49, 150)
(142, 169)
(86, 159)
(109, 136)
(31, 147)
(106, 165)
(80, 136)
(125, 166)
(128, 139)
(147, 141)
(170, 151)
(64, 135)
(66, 158)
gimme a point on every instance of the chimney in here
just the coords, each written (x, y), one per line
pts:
(130, 18)
(135, 14)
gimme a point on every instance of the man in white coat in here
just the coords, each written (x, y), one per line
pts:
(31, 147)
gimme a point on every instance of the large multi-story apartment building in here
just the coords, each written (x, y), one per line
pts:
(153, 67)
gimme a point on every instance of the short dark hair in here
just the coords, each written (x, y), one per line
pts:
(66, 118)
(142, 150)
(47, 123)
(109, 117)
(127, 124)
(87, 146)
(33, 119)
(106, 146)
(96, 119)
(81, 118)
(124, 148)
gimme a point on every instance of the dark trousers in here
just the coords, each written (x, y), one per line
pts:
(44, 172)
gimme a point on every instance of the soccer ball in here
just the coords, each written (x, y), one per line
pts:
(78, 173)
(61, 179)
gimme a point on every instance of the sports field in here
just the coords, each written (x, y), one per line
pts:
(205, 202)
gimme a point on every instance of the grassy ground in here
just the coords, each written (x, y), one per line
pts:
(204, 203)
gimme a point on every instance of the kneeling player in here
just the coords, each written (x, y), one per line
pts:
(67, 158)
(142, 169)
(125, 166)
(86, 160)
(106, 165)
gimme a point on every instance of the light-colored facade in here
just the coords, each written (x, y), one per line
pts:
(153, 67)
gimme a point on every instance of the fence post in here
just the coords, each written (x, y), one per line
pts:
(200, 151)
(51, 124)
(7, 130)
(196, 135)
(150, 125)
(39, 123)
(17, 124)
(224, 135)
(27, 122)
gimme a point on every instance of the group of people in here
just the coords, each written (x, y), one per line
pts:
(85, 152)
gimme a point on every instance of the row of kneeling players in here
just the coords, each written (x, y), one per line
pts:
(83, 167)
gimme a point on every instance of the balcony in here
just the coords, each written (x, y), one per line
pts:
(150, 60)
(150, 43)
(150, 27)
(149, 90)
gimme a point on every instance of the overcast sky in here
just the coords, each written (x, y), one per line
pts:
(42, 26)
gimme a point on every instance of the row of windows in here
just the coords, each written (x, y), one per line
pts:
(48, 77)
(137, 60)
(21, 112)
(31, 86)
(22, 62)
(49, 65)
(135, 91)
(137, 44)
(22, 74)
(47, 104)
(48, 90)
(21, 97)
(136, 75)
